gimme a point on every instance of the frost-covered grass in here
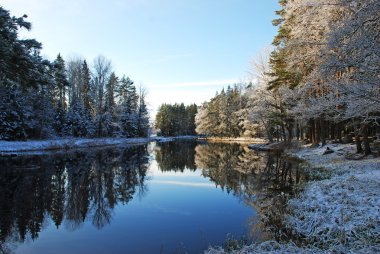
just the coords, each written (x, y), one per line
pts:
(268, 247)
(337, 212)
(12, 147)
(342, 212)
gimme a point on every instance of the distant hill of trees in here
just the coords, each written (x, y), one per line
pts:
(176, 119)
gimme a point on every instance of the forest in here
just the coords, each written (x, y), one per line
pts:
(318, 81)
(176, 119)
(40, 99)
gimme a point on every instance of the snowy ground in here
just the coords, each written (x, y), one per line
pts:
(338, 212)
(14, 147)
(237, 140)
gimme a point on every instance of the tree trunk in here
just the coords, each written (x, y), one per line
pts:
(323, 131)
(313, 132)
(298, 131)
(359, 148)
(289, 128)
(328, 129)
(338, 130)
(269, 134)
(283, 131)
(317, 131)
(364, 132)
(332, 131)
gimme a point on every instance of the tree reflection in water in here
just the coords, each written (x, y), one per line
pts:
(69, 189)
(66, 188)
(176, 156)
(260, 179)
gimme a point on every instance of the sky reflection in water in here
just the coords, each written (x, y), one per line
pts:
(177, 197)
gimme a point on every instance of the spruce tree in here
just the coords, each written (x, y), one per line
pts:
(60, 78)
(143, 115)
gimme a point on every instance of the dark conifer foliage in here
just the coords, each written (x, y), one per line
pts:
(175, 120)
(41, 99)
(23, 72)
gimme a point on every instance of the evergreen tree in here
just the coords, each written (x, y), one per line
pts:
(128, 115)
(175, 120)
(88, 100)
(39, 99)
(109, 117)
(76, 124)
(191, 111)
(12, 124)
(86, 87)
(61, 81)
(143, 115)
(22, 71)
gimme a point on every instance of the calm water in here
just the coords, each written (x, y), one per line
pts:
(176, 197)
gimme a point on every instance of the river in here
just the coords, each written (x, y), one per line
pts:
(173, 197)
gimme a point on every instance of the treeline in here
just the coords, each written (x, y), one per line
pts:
(42, 99)
(176, 119)
(321, 80)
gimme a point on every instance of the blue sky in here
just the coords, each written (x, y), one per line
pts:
(180, 50)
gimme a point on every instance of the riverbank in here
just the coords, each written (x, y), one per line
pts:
(15, 147)
(169, 139)
(338, 211)
(35, 146)
(235, 140)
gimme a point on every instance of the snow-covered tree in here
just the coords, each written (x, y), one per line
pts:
(22, 71)
(128, 107)
(352, 65)
(102, 70)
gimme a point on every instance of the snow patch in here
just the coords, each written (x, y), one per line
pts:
(14, 147)
(336, 215)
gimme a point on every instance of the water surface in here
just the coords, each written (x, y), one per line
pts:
(175, 197)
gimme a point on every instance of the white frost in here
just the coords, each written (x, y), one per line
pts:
(336, 215)
(11, 147)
